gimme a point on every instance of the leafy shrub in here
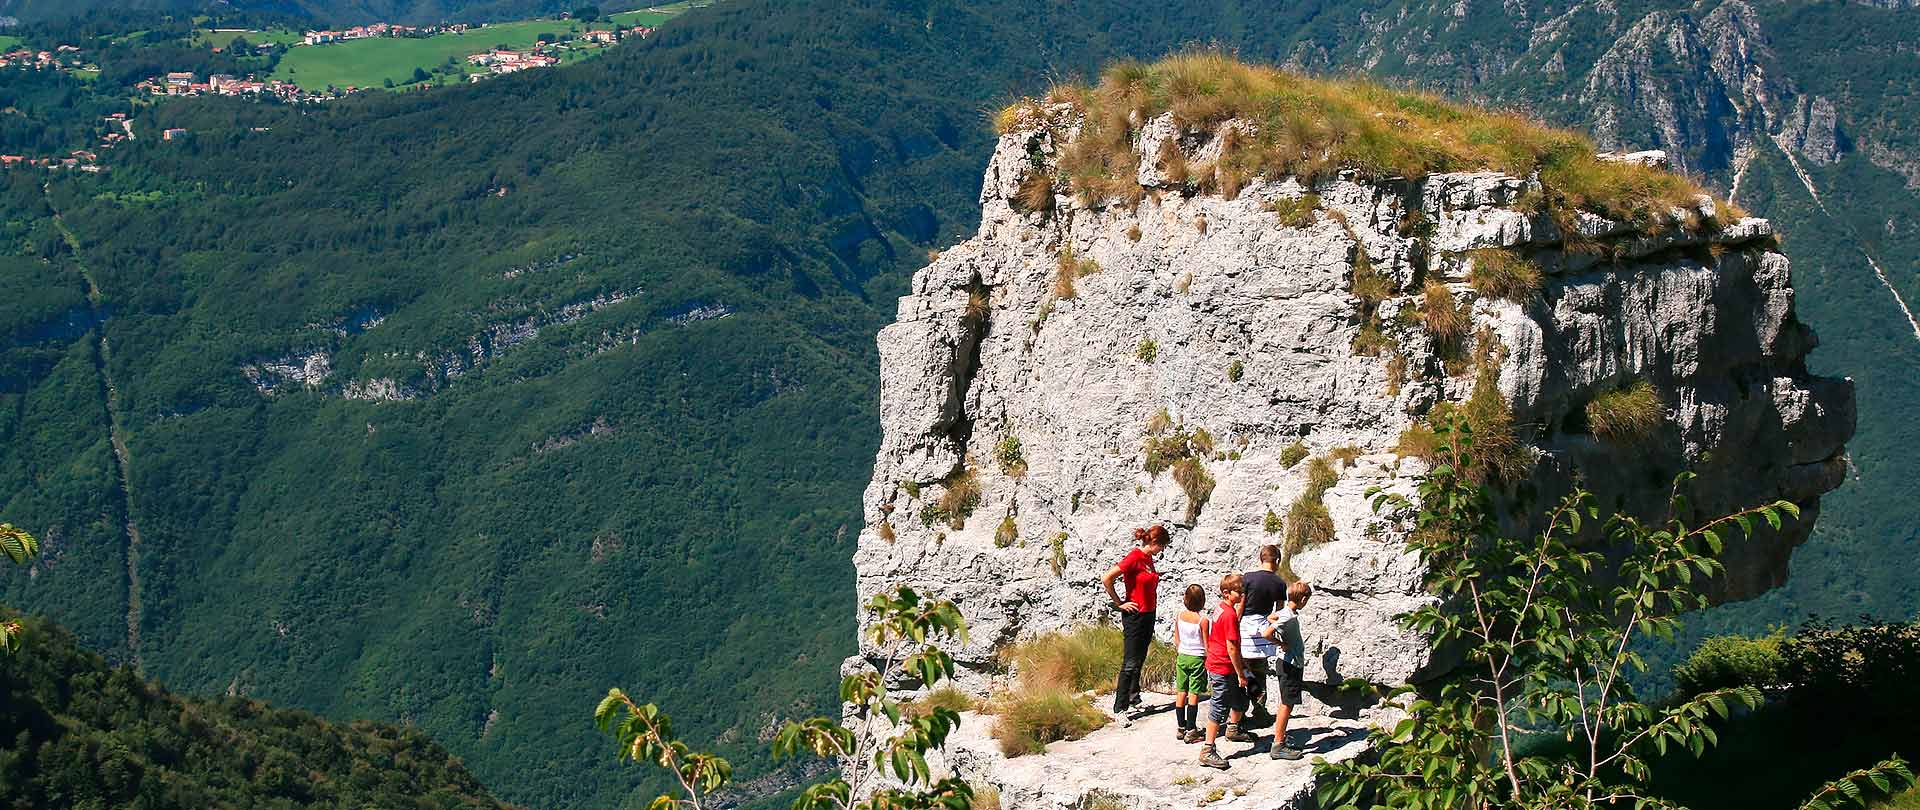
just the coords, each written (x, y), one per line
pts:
(1273, 524)
(1874, 664)
(1164, 451)
(1626, 416)
(1058, 562)
(1293, 454)
(1501, 273)
(1369, 284)
(1722, 662)
(1235, 371)
(1147, 351)
(1295, 212)
(1013, 460)
(1159, 422)
(1024, 722)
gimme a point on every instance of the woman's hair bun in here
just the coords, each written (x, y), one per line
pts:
(1140, 536)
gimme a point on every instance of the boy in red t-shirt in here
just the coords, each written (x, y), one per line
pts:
(1226, 673)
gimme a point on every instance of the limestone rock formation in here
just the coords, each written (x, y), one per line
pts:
(1034, 366)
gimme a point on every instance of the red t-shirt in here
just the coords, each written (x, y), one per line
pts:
(1136, 571)
(1222, 636)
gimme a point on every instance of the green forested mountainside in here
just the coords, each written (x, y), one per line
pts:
(83, 734)
(595, 480)
(323, 13)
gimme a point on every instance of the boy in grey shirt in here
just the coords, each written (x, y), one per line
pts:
(1284, 628)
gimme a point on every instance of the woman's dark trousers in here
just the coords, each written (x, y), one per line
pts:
(1136, 633)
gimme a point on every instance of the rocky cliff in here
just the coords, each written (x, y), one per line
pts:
(1082, 367)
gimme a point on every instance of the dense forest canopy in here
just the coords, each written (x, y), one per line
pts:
(625, 313)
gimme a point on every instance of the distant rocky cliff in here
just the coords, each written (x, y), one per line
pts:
(1022, 413)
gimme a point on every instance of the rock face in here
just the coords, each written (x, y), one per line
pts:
(1200, 311)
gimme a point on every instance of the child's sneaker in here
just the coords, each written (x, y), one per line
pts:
(1236, 734)
(1210, 758)
(1285, 751)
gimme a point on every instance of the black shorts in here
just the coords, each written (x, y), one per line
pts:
(1290, 677)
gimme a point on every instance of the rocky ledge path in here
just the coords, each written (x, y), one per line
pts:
(1141, 767)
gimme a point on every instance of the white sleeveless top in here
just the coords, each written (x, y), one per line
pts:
(1192, 641)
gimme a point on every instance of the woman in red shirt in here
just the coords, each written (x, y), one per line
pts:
(1136, 571)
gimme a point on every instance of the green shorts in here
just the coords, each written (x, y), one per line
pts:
(1190, 674)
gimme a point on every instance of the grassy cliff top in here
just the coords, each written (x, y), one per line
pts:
(1309, 127)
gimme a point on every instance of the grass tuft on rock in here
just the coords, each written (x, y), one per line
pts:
(1309, 128)
(1293, 454)
(1630, 415)
(1024, 722)
(1499, 273)
(1295, 212)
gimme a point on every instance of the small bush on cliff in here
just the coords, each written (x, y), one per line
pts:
(1012, 459)
(1295, 212)
(1235, 371)
(1541, 712)
(1723, 662)
(1007, 533)
(1627, 416)
(1194, 480)
(1501, 273)
(1147, 351)
(946, 697)
(957, 502)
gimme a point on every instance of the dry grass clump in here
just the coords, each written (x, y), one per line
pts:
(1308, 128)
(1024, 722)
(885, 530)
(1035, 194)
(1293, 454)
(1444, 317)
(1193, 479)
(1396, 373)
(985, 797)
(1133, 232)
(957, 501)
(1083, 659)
(1007, 533)
(1320, 477)
(1500, 273)
(1345, 454)
(1308, 525)
(1628, 416)
(1057, 560)
(945, 697)
(1496, 454)
(1370, 341)
(1369, 284)
(1295, 212)
(1069, 268)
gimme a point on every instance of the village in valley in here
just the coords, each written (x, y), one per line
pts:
(315, 65)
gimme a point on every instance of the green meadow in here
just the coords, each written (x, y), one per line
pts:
(372, 62)
(204, 38)
(9, 43)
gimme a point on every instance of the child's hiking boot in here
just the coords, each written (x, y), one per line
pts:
(1195, 735)
(1210, 758)
(1237, 734)
(1282, 750)
(1181, 734)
